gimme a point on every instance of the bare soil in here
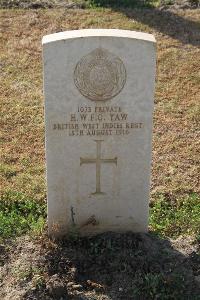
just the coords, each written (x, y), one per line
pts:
(109, 266)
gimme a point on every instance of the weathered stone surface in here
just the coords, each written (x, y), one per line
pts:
(99, 87)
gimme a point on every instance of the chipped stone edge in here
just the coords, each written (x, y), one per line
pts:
(71, 34)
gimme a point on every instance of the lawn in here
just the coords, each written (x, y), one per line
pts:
(32, 265)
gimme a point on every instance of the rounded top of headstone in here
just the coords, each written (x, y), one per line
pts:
(100, 75)
(72, 34)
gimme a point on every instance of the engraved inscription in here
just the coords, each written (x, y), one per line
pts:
(98, 161)
(98, 121)
(100, 75)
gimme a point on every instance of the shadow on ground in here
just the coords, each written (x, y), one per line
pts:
(168, 23)
(165, 21)
(116, 267)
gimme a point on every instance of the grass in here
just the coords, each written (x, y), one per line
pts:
(81, 3)
(145, 268)
(168, 217)
(19, 215)
(175, 139)
(175, 217)
(122, 3)
(175, 189)
(133, 3)
(116, 4)
(155, 286)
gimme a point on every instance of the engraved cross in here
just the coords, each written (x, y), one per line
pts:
(98, 161)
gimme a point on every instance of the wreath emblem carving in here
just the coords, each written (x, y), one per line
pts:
(100, 75)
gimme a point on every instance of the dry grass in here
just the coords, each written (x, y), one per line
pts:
(37, 269)
(177, 110)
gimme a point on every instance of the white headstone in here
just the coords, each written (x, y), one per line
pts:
(99, 87)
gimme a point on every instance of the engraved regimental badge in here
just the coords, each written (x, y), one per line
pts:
(100, 75)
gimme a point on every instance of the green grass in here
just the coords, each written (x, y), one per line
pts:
(86, 3)
(19, 215)
(121, 3)
(174, 218)
(175, 144)
(132, 3)
(159, 286)
(148, 273)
